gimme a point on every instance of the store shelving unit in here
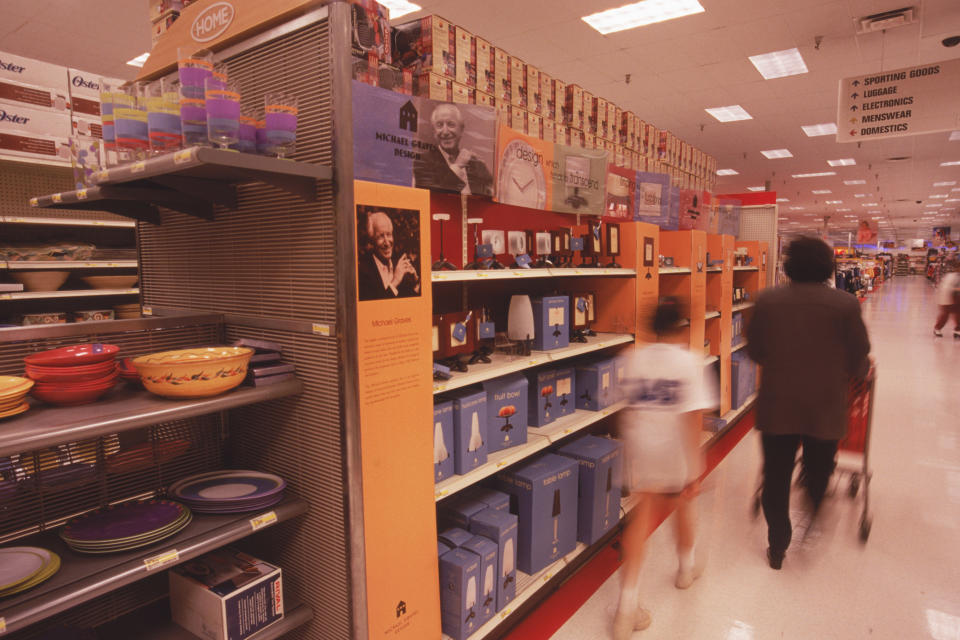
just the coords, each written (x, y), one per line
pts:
(666, 271)
(35, 265)
(79, 293)
(67, 222)
(741, 306)
(294, 616)
(510, 274)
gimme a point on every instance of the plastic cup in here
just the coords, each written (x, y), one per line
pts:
(223, 111)
(247, 142)
(194, 66)
(163, 116)
(280, 118)
(130, 123)
(107, 90)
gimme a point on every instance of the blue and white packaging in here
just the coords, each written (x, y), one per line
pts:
(442, 548)
(487, 600)
(736, 333)
(501, 527)
(551, 322)
(469, 430)
(620, 364)
(492, 498)
(506, 411)
(454, 536)
(545, 493)
(457, 513)
(566, 391)
(443, 444)
(596, 385)
(542, 397)
(459, 593)
(600, 478)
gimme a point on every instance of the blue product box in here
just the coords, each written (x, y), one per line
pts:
(457, 513)
(542, 399)
(459, 593)
(454, 537)
(600, 478)
(442, 548)
(501, 527)
(620, 364)
(469, 430)
(736, 329)
(487, 598)
(596, 386)
(443, 447)
(551, 322)
(492, 498)
(544, 497)
(506, 411)
(566, 391)
(743, 379)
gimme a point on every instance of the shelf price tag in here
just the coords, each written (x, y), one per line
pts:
(321, 329)
(138, 167)
(81, 194)
(481, 274)
(3, 625)
(57, 197)
(101, 176)
(264, 520)
(34, 202)
(147, 311)
(439, 387)
(501, 463)
(180, 157)
(164, 559)
(5, 296)
(440, 494)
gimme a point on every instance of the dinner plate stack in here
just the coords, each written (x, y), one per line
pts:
(13, 390)
(126, 526)
(229, 491)
(73, 375)
(23, 568)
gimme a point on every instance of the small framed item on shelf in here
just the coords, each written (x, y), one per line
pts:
(601, 472)
(583, 312)
(458, 333)
(506, 411)
(551, 322)
(518, 247)
(544, 249)
(442, 440)
(501, 526)
(613, 244)
(459, 593)
(592, 246)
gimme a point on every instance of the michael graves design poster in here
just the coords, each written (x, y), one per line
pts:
(409, 141)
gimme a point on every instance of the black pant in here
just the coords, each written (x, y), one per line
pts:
(779, 454)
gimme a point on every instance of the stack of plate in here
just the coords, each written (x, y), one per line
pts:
(229, 491)
(127, 311)
(23, 568)
(73, 375)
(13, 390)
(126, 526)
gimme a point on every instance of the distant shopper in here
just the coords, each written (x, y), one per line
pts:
(665, 391)
(810, 340)
(948, 299)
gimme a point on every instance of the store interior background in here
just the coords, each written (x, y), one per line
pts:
(676, 70)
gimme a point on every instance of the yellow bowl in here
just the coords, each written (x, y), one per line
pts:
(14, 387)
(193, 373)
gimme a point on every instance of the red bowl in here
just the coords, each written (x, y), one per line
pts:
(105, 382)
(82, 368)
(77, 354)
(66, 398)
(126, 369)
(69, 374)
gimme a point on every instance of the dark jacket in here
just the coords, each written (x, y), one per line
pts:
(370, 284)
(431, 171)
(810, 340)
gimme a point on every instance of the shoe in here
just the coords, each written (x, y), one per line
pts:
(938, 333)
(686, 578)
(775, 559)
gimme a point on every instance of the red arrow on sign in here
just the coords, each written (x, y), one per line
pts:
(853, 132)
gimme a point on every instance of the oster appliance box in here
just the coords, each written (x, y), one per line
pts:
(600, 478)
(506, 411)
(551, 322)
(443, 447)
(469, 429)
(596, 385)
(459, 593)
(425, 45)
(487, 598)
(501, 527)
(544, 497)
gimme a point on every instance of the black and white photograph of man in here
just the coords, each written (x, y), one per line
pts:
(455, 161)
(388, 253)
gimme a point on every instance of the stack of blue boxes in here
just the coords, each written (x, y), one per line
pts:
(743, 378)
(736, 336)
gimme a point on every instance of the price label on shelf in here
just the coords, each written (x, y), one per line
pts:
(180, 157)
(440, 494)
(264, 520)
(164, 559)
(439, 387)
(3, 625)
(439, 276)
(101, 176)
(81, 194)
(481, 274)
(568, 431)
(138, 167)
(34, 202)
(147, 311)
(5, 296)
(321, 329)
(57, 197)
(500, 464)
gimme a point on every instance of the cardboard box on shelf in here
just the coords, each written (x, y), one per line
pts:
(161, 26)
(566, 391)
(589, 140)
(560, 134)
(494, 499)
(596, 385)
(575, 137)
(485, 99)
(534, 90)
(573, 101)
(534, 125)
(560, 101)
(615, 115)
(34, 133)
(443, 443)
(507, 414)
(485, 66)
(600, 478)
(427, 45)
(589, 114)
(599, 118)
(518, 118)
(500, 526)
(518, 83)
(548, 98)
(455, 536)
(365, 68)
(85, 126)
(501, 73)
(462, 94)
(433, 86)
(85, 91)
(551, 322)
(542, 397)
(22, 94)
(466, 55)
(469, 429)
(459, 593)
(487, 597)
(550, 131)
(34, 73)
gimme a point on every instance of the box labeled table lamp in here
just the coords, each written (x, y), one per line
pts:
(596, 385)
(506, 411)
(459, 593)
(501, 527)
(225, 595)
(442, 440)
(551, 322)
(600, 477)
(469, 429)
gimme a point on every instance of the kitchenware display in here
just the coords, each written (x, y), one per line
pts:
(280, 119)
(247, 142)
(67, 395)
(126, 311)
(93, 315)
(83, 373)
(223, 111)
(72, 375)
(163, 116)
(129, 373)
(23, 568)
(107, 89)
(13, 390)
(46, 280)
(111, 282)
(125, 526)
(52, 317)
(85, 159)
(229, 491)
(75, 355)
(193, 373)
(130, 122)
(194, 68)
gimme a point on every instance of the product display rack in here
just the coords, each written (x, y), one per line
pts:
(32, 265)
(508, 274)
(68, 222)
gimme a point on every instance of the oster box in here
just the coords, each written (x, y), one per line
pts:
(506, 411)
(459, 593)
(600, 478)
(443, 442)
(596, 385)
(427, 45)
(485, 68)
(469, 429)
(34, 133)
(466, 57)
(487, 598)
(500, 527)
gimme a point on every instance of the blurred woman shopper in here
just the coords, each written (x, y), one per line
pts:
(665, 391)
(948, 299)
(810, 340)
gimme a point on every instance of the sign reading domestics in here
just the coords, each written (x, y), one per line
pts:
(900, 102)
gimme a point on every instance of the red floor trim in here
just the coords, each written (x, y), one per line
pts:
(563, 603)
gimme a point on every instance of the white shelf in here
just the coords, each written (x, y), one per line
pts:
(69, 222)
(746, 268)
(86, 293)
(714, 269)
(501, 364)
(673, 270)
(711, 314)
(742, 306)
(710, 360)
(738, 347)
(511, 274)
(34, 265)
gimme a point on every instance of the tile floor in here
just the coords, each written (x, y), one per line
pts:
(904, 583)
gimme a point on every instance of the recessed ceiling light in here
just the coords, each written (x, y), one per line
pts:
(825, 129)
(875, 217)
(853, 182)
(727, 172)
(773, 154)
(934, 204)
(729, 114)
(945, 184)
(638, 14)
(140, 60)
(834, 201)
(783, 199)
(937, 197)
(813, 175)
(859, 195)
(760, 188)
(842, 162)
(847, 209)
(820, 192)
(954, 136)
(952, 200)
(779, 64)
(956, 189)
(952, 163)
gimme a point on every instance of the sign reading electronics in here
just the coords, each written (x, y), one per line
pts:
(212, 22)
(901, 102)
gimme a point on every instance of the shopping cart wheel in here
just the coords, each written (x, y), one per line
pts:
(854, 485)
(865, 523)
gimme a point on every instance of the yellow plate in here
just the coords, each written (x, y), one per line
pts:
(13, 412)
(11, 386)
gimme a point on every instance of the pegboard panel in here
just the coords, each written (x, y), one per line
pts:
(760, 223)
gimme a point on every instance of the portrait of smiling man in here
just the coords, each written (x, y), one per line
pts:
(387, 267)
(451, 165)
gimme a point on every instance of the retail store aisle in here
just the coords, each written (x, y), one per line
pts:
(901, 584)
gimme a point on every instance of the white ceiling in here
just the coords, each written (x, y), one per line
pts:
(677, 69)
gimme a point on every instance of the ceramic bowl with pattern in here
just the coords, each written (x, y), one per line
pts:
(193, 373)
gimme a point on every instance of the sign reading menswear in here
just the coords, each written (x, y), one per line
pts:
(901, 102)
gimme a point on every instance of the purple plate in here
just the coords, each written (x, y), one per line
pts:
(123, 521)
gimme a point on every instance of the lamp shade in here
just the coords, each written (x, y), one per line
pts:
(520, 318)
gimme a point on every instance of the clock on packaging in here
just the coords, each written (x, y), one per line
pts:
(521, 182)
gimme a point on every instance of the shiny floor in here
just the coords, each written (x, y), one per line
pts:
(903, 583)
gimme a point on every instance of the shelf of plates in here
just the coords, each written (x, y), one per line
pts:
(68, 222)
(294, 616)
(191, 181)
(510, 274)
(83, 577)
(79, 293)
(122, 410)
(35, 265)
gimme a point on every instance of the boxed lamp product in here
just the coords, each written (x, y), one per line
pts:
(497, 500)
(560, 100)
(518, 83)
(469, 430)
(548, 99)
(501, 75)
(506, 411)
(596, 388)
(443, 447)
(551, 322)
(486, 99)
(534, 97)
(542, 397)
(600, 477)
(454, 537)
(518, 118)
(443, 548)
(544, 496)
(487, 598)
(457, 513)
(566, 391)
(550, 130)
(501, 527)
(466, 55)
(459, 593)
(426, 45)
(225, 595)
(534, 125)
(573, 104)
(462, 94)
(433, 86)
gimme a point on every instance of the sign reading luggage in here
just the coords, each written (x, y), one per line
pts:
(901, 102)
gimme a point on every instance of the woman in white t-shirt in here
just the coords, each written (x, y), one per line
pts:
(947, 300)
(665, 389)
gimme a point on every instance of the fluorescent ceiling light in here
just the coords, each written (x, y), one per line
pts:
(953, 163)
(853, 182)
(825, 129)
(638, 14)
(761, 188)
(937, 197)
(875, 217)
(727, 172)
(140, 60)
(773, 154)
(813, 175)
(955, 136)
(796, 208)
(935, 204)
(956, 189)
(779, 64)
(869, 204)
(859, 195)
(400, 7)
(847, 209)
(952, 200)
(820, 192)
(729, 114)
(783, 199)
(945, 184)
(834, 201)
(842, 162)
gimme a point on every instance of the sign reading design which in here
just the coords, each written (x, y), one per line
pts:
(212, 22)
